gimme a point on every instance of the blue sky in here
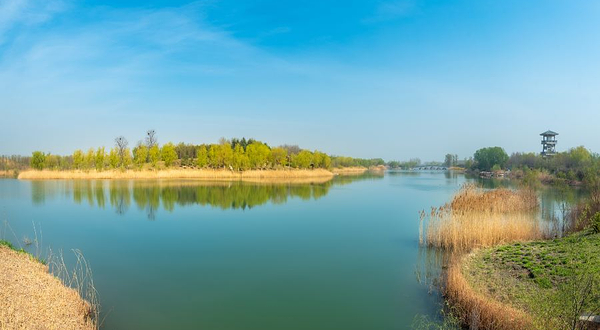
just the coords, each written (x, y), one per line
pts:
(391, 79)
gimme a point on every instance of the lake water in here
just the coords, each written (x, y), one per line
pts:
(226, 256)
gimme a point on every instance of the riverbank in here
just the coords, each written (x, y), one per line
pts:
(535, 285)
(200, 174)
(8, 174)
(350, 170)
(32, 298)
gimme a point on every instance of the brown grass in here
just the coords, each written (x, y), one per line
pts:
(32, 298)
(7, 174)
(471, 198)
(350, 170)
(480, 218)
(476, 309)
(477, 218)
(201, 174)
(580, 216)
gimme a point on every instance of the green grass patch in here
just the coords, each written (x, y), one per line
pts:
(542, 277)
(11, 246)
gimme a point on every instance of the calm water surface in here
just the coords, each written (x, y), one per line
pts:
(228, 256)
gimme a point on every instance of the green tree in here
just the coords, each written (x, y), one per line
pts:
(154, 155)
(113, 158)
(126, 158)
(240, 160)
(37, 160)
(321, 160)
(168, 154)
(258, 155)
(201, 157)
(450, 160)
(303, 159)
(486, 158)
(279, 156)
(89, 159)
(140, 154)
(51, 162)
(220, 155)
(78, 159)
(100, 158)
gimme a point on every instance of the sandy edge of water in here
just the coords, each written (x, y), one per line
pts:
(32, 298)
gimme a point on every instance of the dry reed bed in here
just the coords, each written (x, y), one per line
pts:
(350, 170)
(476, 309)
(202, 174)
(480, 218)
(7, 174)
(32, 298)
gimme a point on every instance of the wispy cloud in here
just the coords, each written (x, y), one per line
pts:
(121, 56)
(26, 12)
(390, 10)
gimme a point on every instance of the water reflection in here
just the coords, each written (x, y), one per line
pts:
(149, 196)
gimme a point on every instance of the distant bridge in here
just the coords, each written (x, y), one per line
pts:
(429, 168)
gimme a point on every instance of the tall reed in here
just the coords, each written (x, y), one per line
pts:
(479, 218)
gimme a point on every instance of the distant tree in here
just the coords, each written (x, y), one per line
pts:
(127, 158)
(37, 160)
(168, 154)
(201, 157)
(121, 144)
(303, 159)
(154, 155)
(450, 160)
(258, 154)
(113, 158)
(279, 156)
(326, 162)
(78, 159)
(151, 140)
(51, 162)
(90, 159)
(486, 158)
(393, 164)
(185, 152)
(240, 160)
(100, 158)
(291, 149)
(220, 155)
(140, 155)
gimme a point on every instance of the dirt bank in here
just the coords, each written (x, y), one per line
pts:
(32, 298)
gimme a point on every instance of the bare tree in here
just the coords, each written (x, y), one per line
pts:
(151, 138)
(121, 144)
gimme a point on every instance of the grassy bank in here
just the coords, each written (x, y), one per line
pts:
(33, 298)
(477, 218)
(554, 282)
(201, 174)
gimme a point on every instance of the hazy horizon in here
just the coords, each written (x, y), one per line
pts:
(389, 79)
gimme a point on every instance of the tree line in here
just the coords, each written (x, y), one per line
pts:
(575, 164)
(234, 154)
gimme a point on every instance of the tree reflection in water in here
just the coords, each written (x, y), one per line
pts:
(152, 195)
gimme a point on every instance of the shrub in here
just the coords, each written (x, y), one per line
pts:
(595, 225)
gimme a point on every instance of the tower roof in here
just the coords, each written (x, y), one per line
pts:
(549, 132)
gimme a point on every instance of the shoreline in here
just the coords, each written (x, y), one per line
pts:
(33, 298)
(349, 170)
(199, 174)
(508, 283)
